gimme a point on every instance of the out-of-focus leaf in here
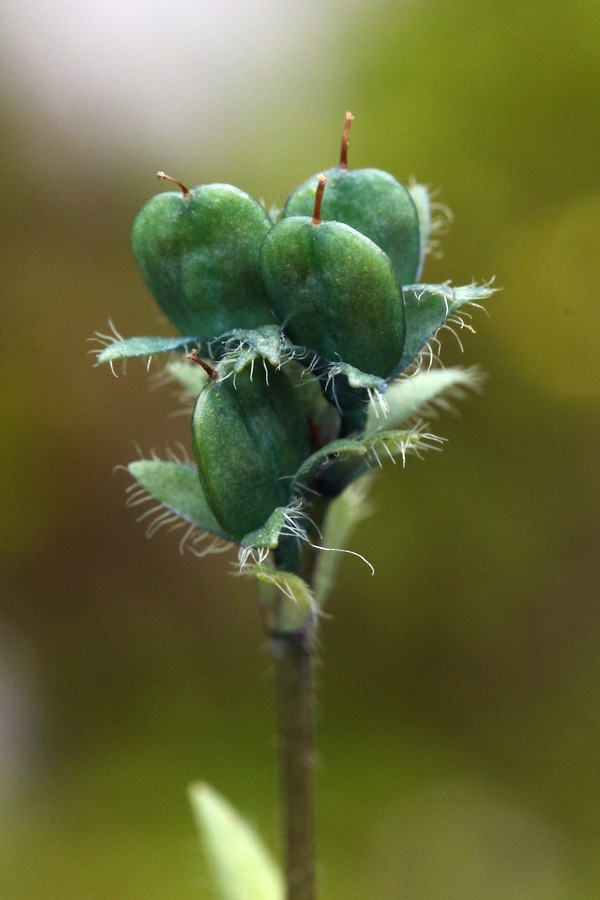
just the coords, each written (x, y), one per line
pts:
(178, 488)
(190, 376)
(421, 199)
(421, 393)
(240, 864)
(286, 600)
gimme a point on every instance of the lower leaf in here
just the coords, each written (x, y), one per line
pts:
(240, 865)
(180, 498)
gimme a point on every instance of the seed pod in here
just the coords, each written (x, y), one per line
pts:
(371, 201)
(198, 251)
(335, 292)
(249, 437)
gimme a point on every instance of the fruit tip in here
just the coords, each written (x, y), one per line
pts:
(322, 181)
(194, 356)
(349, 119)
(162, 176)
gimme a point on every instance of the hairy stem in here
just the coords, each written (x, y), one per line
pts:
(293, 657)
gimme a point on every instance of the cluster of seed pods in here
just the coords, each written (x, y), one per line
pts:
(324, 294)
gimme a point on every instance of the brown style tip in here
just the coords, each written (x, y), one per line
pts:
(319, 198)
(193, 355)
(164, 177)
(345, 140)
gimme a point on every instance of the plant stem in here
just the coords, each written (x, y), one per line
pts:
(293, 657)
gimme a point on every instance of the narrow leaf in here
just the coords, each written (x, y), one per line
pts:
(356, 378)
(287, 602)
(342, 448)
(177, 487)
(145, 346)
(420, 393)
(244, 346)
(332, 468)
(427, 307)
(282, 532)
(267, 536)
(241, 866)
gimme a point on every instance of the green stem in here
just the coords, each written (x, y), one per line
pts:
(293, 657)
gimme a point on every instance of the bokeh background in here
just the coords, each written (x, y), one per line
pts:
(459, 695)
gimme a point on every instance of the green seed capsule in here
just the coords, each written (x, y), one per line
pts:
(371, 201)
(249, 437)
(335, 292)
(199, 254)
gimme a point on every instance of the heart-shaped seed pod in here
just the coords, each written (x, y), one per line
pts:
(250, 435)
(334, 291)
(371, 201)
(198, 251)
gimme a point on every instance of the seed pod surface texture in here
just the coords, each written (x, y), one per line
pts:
(335, 292)
(199, 256)
(374, 203)
(249, 438)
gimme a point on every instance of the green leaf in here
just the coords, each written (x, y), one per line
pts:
(427, 307)
(342, 448)
(351, 392)
(358, 379)
(267, 536)
(177, 487)
(243, 346)
(331, 469)
(287, 602)
(398, 442)
(282, 532)
(241, 866)
(145, 346)
(421, 393)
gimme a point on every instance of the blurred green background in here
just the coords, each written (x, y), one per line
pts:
(459, 689)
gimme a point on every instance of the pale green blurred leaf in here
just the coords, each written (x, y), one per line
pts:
(189, 375)
(343, 515)
(241, 866)
(423, 393)
(421, 199)
(287, 601)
